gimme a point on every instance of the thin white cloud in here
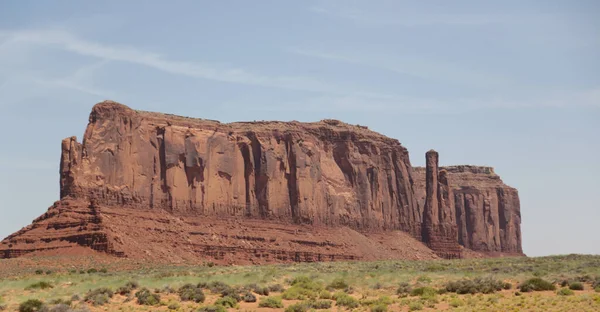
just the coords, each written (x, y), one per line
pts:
(70, 42)
(416, 67)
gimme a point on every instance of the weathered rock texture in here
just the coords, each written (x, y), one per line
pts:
(145, 184)
(439, 223)
(487, 211)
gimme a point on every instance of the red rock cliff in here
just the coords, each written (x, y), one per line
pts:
(487, 211)
(324, 173)
(154, 185)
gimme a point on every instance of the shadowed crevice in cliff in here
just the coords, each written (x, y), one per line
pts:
(261, 179)
(245, 150)
(292, 179)
(341, 157)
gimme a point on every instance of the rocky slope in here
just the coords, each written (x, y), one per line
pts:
(145, 184)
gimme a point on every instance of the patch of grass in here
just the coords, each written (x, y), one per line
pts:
(423, 291)
(276, 288)
(127, 288)
(303, 288)
(345, 300)
(404, 289)
(227, 301)
(31, 305)
(415, 306)
(536, 284)
(565, 292)
(39, 285)
(576, 286)
(455, 302)
(338, 283)
(99, 296)
(189, 292)
(146, 297)
(271, 302)
(486, 285)
(212, 308)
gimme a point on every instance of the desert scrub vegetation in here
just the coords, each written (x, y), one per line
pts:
(146, 297)
(309, 282)
(342, 299)
(536, 284)
(302, 288)
(565, 292)
(576, 286)
(99, 296)
(212, 308)
(479, 285)
(31, 305)
(270, 302)
(127, 288)
(39, 285)
(190, 292)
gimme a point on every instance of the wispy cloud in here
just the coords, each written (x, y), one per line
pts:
(72, 43)
(415, 67)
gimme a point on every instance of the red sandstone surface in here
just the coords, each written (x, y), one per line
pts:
(161, 187)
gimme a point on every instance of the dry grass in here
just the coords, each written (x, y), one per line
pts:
(362, 286)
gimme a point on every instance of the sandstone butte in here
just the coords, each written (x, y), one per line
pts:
(161, 187)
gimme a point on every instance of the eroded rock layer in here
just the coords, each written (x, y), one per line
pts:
(153, 185)
(487, 211)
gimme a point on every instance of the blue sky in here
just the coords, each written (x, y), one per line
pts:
(510, 84)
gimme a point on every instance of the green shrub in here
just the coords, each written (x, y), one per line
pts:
(536, 284)
(39, 285)
(478, 285)
(212, 308)
(146, 297)
(324, 294)
(231, 292)
(380, 307)
(455, 302)
(338, 283)
(308, 305)
(217, 287)
(173, 306)
(576, 286)
(424, 279)
(403, 289)
(298, 307)
(249, 297)
(263, 291)
(597, 289)
(303, 288)
(276, 288)
(189, 292)
(31, 305)
(49, 272)
(270, 302)
(38, 272)
(92, 270)
(564, 292)
(423, 291)
(103, 270)
(345, 300)
(127, 289)
(99, 296)
(227, 301)
(415, 306)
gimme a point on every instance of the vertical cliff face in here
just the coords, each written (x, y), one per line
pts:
(143, 183)
(326, 173)
(439, 225)
(487, 212)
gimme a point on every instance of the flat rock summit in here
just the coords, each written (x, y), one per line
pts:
(161, 187)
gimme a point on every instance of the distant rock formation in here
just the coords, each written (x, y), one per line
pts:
(142, 183)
